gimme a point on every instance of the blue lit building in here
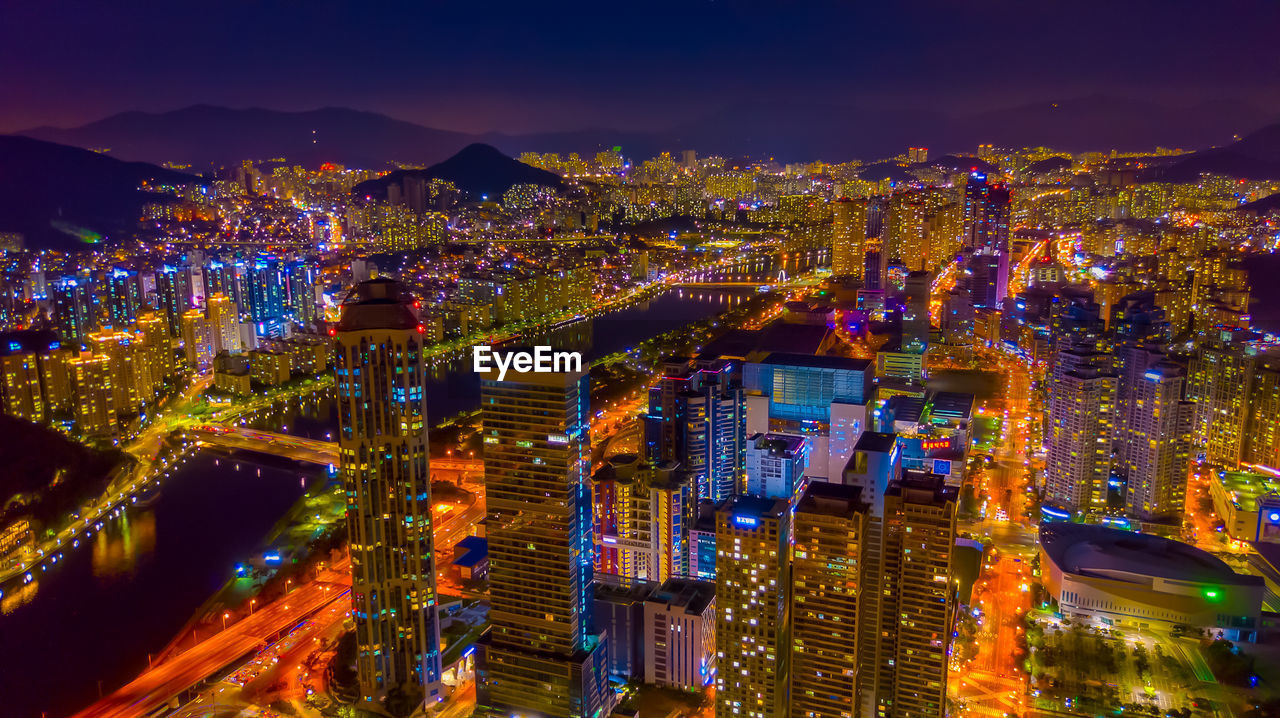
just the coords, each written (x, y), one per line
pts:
(697, 418)
(823, 398)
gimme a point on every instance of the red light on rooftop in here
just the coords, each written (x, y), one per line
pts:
(333, 332)
(422, 329)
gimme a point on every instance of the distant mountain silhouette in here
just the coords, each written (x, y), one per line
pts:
(1256, 156)
(479, 170)
(62, 197)
(206, 136)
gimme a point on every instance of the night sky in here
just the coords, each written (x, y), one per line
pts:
(536, 66)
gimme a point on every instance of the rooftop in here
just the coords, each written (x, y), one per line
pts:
(876, 441)
(691, 594)
(828, 499)
(1090, 549)
(378, 304)
(1246, 488)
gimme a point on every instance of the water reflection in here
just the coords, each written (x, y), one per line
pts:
(118, 549)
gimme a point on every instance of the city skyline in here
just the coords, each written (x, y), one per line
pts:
(721, 360)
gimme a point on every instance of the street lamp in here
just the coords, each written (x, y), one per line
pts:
(225, 616)
(251, 602)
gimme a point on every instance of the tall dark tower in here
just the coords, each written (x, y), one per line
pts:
(541, 656)
(382, 411)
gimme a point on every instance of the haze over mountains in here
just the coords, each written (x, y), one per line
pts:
(205, 136)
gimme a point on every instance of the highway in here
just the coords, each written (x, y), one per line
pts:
(167, 680)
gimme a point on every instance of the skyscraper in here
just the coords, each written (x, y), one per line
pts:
(696, 419)
(124, 297)
(541, 655)
(72, 308)
(1158, 445)
(173, 296)
(827, 578)
(224, 323)
(848, 237)
(265, 291)
(986, 214)
(382, 410)
(753, 596)
(918, 596)
(1081, 425)
(643, 513)
(915, 311)
(1219, 384)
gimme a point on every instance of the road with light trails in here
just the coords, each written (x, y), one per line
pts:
(167, 680)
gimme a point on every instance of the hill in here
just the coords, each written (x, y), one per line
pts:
(1256, 157)
(62, 197)
(46, 474)
(479, 170)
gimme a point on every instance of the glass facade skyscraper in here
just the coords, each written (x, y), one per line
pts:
(383, 456)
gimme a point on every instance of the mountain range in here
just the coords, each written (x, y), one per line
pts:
(205, 136)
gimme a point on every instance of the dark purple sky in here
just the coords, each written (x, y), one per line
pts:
(532, 66)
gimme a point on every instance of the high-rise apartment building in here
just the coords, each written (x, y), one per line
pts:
(173, 296)
(643, 513)
(1219, 383)
(753, 594)
(918, 597)
(73, 313)
(223, 318)
(695, 418)
(197, 339)
(827, 577)
(541, 655)
(1158, 445)
(92, 395)
(848, 238)
(1081, 426)
(383, 450)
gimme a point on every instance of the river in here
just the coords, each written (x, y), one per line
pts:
(100, 610)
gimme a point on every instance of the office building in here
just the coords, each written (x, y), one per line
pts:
(679, 634)
(541, 655)
(823, 398)
(383, 450)
(776, 465)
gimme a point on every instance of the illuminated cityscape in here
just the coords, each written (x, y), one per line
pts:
(708, 360)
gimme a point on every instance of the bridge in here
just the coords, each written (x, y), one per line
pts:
(300, 448)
